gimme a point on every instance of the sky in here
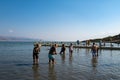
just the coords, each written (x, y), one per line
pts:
(60, 20)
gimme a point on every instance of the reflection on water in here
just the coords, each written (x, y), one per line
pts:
(70, 58)
(62, 58)
(94, 62)
(87, 51)
(36, 73)
(51, 73)
(111, 53)
(77, 49)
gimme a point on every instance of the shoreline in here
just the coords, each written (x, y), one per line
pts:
(89, 47)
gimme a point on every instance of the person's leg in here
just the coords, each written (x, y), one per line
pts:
(63, 52)
(97, 52)
(33, 59)
(50, 58)
(92, 54)
(71, 51)
(36, 60)
(53, 61)
(70, 54)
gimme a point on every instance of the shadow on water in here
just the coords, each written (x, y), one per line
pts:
(29, 64)
(24, 64)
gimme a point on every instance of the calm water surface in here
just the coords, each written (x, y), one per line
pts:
(16, 64)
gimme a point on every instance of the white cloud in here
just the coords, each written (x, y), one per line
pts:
(10, 31)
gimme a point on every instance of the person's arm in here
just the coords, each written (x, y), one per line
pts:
(38, 49)
(55, 52)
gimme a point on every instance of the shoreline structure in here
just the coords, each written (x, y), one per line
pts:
(81, 45)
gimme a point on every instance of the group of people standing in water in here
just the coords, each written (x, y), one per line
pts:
(52, 52)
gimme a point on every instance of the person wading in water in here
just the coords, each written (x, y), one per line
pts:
(52, 53)
(36, 51)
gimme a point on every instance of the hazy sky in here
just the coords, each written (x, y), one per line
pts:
(63, 20)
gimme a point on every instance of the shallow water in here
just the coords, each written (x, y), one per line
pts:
(16, 64)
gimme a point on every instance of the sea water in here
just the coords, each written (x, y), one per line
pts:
(16, 64)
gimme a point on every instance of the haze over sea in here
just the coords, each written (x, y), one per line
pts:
(16, 64)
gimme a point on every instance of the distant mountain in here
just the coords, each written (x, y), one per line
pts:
(115, 38)
(6, 38)
(112, 38)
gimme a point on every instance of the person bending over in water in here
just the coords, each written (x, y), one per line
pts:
(51, 54)
(63, 49)
(36, 51)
